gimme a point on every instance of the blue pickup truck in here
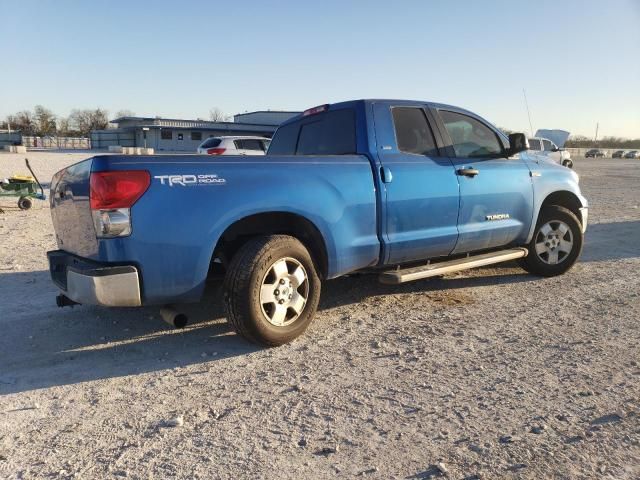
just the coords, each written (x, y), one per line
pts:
(403, 189)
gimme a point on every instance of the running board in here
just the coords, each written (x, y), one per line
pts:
(394, 277)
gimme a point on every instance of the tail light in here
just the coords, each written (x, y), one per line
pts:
(216, 151)
(315, 110)
(112, 194)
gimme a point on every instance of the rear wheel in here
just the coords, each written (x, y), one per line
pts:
(24, 203)
(271, 290)
(556, 243)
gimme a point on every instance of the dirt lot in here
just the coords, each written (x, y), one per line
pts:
(490, 373)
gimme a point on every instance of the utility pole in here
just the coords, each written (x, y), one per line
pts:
(528, 113)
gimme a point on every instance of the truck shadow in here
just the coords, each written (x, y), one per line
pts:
(43, 346)
(612, 241)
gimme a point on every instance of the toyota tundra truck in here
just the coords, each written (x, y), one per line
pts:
(405, 190)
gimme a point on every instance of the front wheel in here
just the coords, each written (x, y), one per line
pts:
(567, 163)
(556, 243)
(271, 290)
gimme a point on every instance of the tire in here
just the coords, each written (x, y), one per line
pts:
(271, 290)
(556, 243)
(567, 163)
(24, 203)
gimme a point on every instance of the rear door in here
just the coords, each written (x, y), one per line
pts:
(496, 192)
(421, 189)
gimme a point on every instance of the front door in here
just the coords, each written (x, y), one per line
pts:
(420, 186)
(496, 192)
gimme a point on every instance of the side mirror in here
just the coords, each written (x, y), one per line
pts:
(518, 143)
(555, 149)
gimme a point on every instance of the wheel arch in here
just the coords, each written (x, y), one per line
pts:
(272, 223)
(562, 198)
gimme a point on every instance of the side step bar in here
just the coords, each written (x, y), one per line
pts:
(394, 277)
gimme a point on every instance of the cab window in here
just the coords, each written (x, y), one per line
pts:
(413, 133)
(548, 146)
(471, 138)
(327, 133)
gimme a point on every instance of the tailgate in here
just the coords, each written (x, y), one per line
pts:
(70, 210)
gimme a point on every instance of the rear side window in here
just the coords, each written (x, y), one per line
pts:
(534, 144)
(413, 133)
(470, 137)
(249, 144)
(330, 133)
(211, 142)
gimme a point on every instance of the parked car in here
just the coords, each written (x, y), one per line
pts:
(618, 154)
(405, 189)
(234, 145)
(595, 153)
(545, 148)
(632, 154)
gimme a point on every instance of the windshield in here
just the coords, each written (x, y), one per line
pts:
(534, 144)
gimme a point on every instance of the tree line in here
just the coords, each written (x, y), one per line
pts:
(580, 141)
(43, 122)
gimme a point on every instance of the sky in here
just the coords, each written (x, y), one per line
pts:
(578, 60)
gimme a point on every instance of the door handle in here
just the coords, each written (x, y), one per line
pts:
(385, 175)
(468, 172)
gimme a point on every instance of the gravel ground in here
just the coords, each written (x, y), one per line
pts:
(490, 373)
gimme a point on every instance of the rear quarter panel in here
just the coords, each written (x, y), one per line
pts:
(176, 227)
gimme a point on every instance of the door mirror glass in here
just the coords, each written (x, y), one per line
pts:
(518, 143)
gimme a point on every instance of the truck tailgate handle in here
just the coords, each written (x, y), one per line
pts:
(468, 172)
(385, 175)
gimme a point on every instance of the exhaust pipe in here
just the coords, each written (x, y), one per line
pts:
(173, 318)
(64, 301)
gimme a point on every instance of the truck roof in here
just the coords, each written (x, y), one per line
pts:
(353, 103)
(367, 101)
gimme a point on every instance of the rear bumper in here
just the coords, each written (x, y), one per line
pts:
(92, 283)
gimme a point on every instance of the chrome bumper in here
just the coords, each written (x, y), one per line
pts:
(109, 287)
(584, 214)
(93, 283)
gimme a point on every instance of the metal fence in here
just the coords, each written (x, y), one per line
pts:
(65, 143)
(112, 137)
(13, 138)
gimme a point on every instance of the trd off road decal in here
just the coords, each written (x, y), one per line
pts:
(190, 180)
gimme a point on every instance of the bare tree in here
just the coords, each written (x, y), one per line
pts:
(217, 115)
(23, 122)
(83, 121)
(45, 121)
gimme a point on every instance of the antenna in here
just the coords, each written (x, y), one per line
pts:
(524, 92)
